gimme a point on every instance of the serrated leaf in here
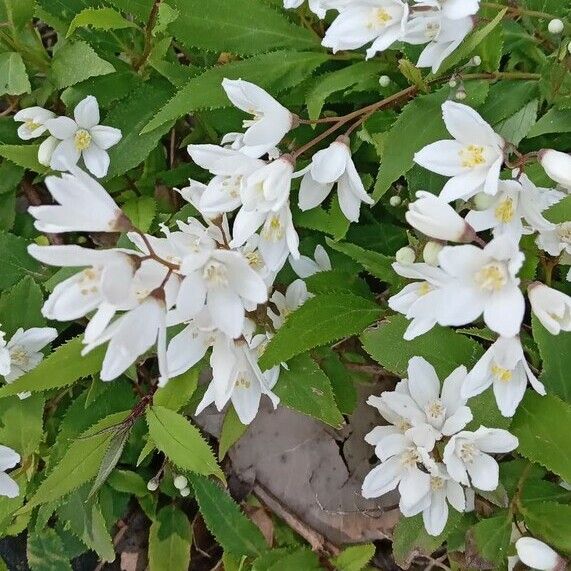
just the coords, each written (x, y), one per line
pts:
(60, 369)
(276, 72)
(537, 424)
(181, 442)
(22, 423)
(412, 74)
(554, 121)
(232, 431)
(13, 77)
(170, 539)
(100, 19)
(20, 306)
(79, 464)
(318, 321)
(550, 522)
(515, 128)
(305, 387)
(178, 390)
(25, 156)
(231, 528)
(141, 211)
(492, 537)
(18, 12)
(16, 262)
(354, 558)
(385, 344)
(300, 559)
(109, 461)
(75, 62)
(45, 551)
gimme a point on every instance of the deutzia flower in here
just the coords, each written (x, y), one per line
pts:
(516, 201)
(467, 456)
(8, 459)
(236, 377)
(557, 165)
(271, 120)
(483, 281)
(33, 121)
(318, 7)
(84, 206)
(538, 555)
(457, 9)
(295, 296)
(551, 307)
(331, 166)
(504, 367)
(83, 137)
(304, 266)
(4, 355)
(435, 218)
(379, 21)
(473, 159)
(556, 240)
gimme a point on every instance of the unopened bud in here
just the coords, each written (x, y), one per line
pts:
(395, 201)
(153, 485)
(557, 165)
(430, 252)
(483, 201)
(556, 26)
(476, 61)
(461, 94)
(180, 482)
(384, 81)
(405, 255)
(538, 555)
(185, 492)
(452, 83)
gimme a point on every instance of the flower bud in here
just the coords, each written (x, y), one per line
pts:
(395, 201)
(437, 219)
(476, 61)
(557, 165)
(461, 94)
(551, 307)
(405, 256)
(185, 492)
(153, 485)
(556, 26)
(538, 555)
(483, 201)
(430, 252)
(384, 80)
(180, 482)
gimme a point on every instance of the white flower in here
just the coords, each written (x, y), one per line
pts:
(271, 120)
(551, 307)
(468, 454)
(435, 218)
(457, 9)
(516, 201)
(331, 166)
(557, 165)
(538, 555)
(439, 491)
(557, 240)
(318, 7)
(295, 296)
(379, 21)
(305, 267)
(424, 405)
(84, 206)
(473, 159)
(46, 150)
(482, 281)
(8, 459)
(5, 359)
(83, 137)
(504, 366)
(236, 377)
(34, 121)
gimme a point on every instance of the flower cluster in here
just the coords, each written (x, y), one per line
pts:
(440, 24)
(70, 139)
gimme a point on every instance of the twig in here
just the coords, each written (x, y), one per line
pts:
(154, 14)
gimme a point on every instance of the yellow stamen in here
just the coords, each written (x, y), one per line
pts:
(505, 211)
(82, 140)
(472, 156)
(503, 375)
(492, 277)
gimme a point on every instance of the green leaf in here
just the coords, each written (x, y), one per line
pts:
(13, 77)
(16, 262)
(22, 423)
(375, 263)
(141, 211)
(515, 128)
(386, 345)
(554, 121)
(100, 19)
(18, 12)
(21, 306)
(170, 539)
(419, 124)
(178, 390)
(45, 551)
(551, 522)
(320, 320)
(305, 387)
(354, 558)
(181, 442)
(506, 98)
(276, 72)
(166, 16)
(554, 351)
(232, 431)
(242, 27)
(75, 62)
(231, 528)
(128, 482)
(60, 369)
(79, 464)
(300, 559)
(492, 537)
(25, 156)
(537, 424)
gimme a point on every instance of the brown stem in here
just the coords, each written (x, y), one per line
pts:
(151, 22)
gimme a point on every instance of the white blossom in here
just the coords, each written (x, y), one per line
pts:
(84, 137)
(33, 121)
(538, 555)
(271, 120)
(557, 165)
(467, 456)
(458, 9)
(556, 240)
(84, 206)
(304, 266)
(318, 7)
(504, 367)
(295, 296)
(8, 459)
(473, 159)
(551, 307)
(331, 166)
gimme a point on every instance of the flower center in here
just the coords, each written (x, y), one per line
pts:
(273, 229)
(492, 277)
(435, 410)
(472, 156)
(436, 483)
(410, 457)
(255, 260)
(505, 210)
(215, 274)
(242, 382)
(468, 452)
(501, 374)
(231, 186)
(82, 140)
(380, 18)
(31, 125)
(432, 30)
(564, 232)
(424, 288)
(89, 281)
(403, 425)
(19, 356)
